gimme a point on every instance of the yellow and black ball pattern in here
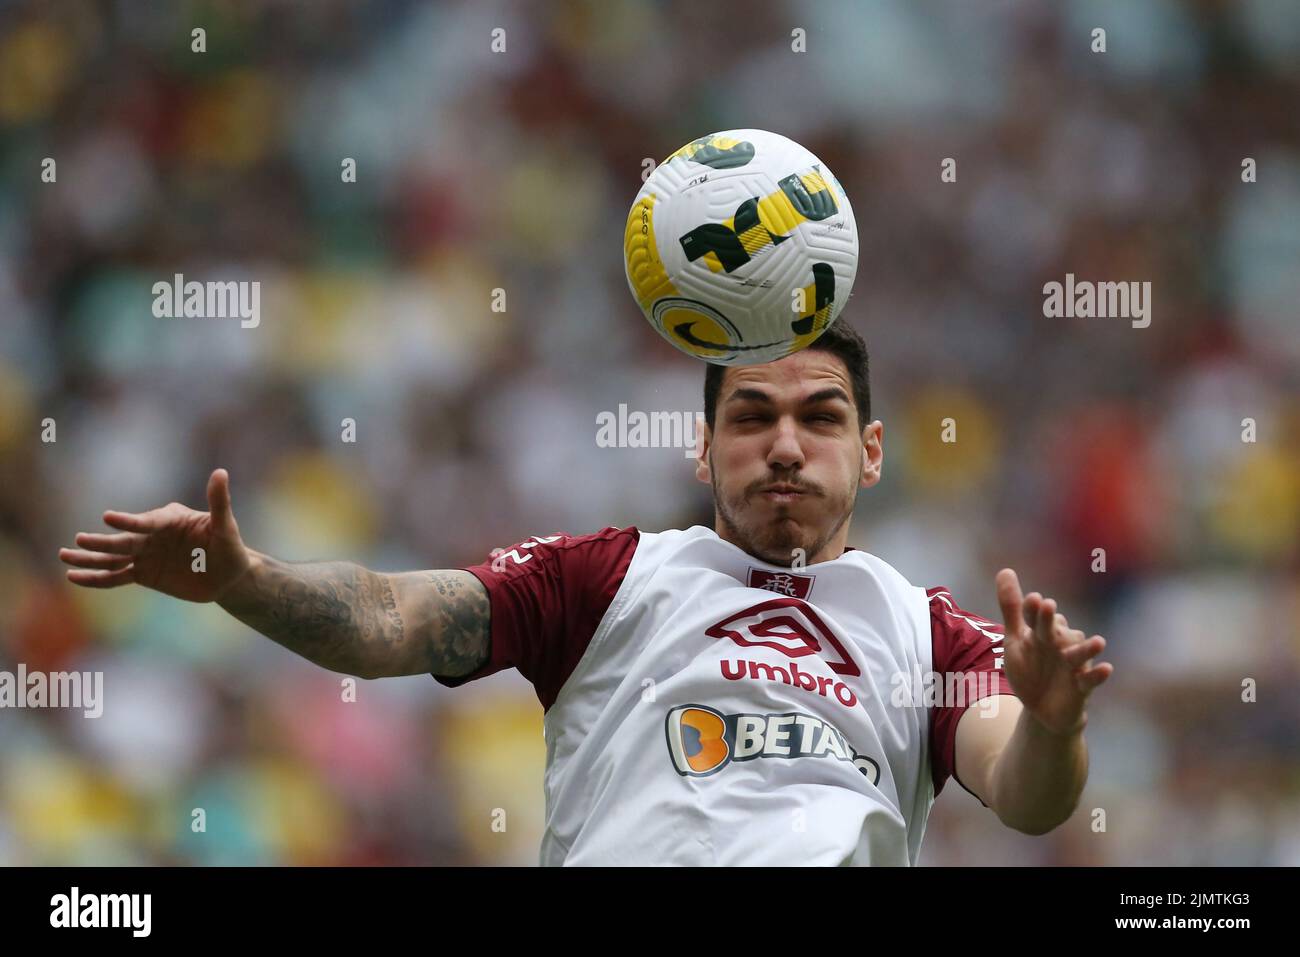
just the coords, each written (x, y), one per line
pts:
(741, 248)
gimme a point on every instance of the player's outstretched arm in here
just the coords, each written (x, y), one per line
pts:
(352, 620)
(1028, 760)
(337, 614)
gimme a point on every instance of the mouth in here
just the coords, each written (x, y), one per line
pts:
(782, 493)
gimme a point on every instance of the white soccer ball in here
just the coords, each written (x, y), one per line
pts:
(741, 247)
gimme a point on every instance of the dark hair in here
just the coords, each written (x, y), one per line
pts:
(840, 339)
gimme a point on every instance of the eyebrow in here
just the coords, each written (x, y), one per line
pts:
(758, 395)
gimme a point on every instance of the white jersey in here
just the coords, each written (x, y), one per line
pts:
(703, 707)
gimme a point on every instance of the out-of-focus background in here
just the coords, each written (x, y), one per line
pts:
(514, 170)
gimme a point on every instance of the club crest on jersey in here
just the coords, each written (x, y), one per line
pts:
(783, 583)
(702, 741)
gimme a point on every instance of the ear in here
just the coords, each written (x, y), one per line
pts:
(873, 453)
(703, 439)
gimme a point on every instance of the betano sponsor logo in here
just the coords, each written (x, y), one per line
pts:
(703, 741)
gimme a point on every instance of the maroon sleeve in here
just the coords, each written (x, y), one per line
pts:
(967, 644)
(548, 595)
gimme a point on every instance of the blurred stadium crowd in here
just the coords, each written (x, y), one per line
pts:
(479, 170)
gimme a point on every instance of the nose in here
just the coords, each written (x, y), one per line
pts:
(786, 452)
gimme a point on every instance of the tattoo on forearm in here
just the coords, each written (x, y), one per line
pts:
(330, 612)
(347, 618)
(462, 643)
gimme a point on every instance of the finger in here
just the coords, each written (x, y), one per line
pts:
(219, 496)
(1068, 639)
(1032, 606)
(1090, 679)
(1011, 601)
(1046, 623)
(84, 559)
(138, 521)
(122, 543)
(1077, 655)
(101, 578)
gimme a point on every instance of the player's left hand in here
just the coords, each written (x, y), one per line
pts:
(1048, 663)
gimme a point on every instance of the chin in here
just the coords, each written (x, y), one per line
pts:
(777, 542)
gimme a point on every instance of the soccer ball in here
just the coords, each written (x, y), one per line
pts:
(741, 247)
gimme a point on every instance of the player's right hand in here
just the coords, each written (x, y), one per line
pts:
(156, 549)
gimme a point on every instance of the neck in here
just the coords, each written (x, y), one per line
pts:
(831, 550)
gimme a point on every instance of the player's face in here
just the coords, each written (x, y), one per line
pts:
(790, 422)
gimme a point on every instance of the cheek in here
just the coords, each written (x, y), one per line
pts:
(851, 464)
(733, 455)
(737, 464)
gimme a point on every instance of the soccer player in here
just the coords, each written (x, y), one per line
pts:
(753, 693)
